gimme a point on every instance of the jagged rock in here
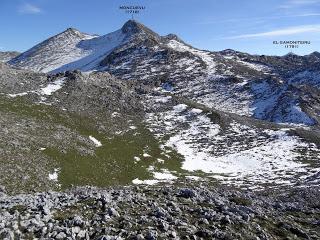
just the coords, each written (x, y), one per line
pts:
(114, 213)
(197, 217)
(187, 193)
(77, 221)
(60, 236)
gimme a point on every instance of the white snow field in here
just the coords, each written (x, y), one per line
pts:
(241, 154)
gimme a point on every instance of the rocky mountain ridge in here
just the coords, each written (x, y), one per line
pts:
(175, 142)
(7, 56)
(165, 110)
(278, 89)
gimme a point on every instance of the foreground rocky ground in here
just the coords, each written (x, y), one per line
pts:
(182, 211)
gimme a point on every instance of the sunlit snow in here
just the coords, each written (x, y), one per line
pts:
(95, 141)
(237, 154)
(54, 176)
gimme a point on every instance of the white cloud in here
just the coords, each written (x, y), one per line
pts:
(28, 8)
(309, 14)
(231, 20)
(298, 3)
(281, 32)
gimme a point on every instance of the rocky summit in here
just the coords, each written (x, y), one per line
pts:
(134, 135)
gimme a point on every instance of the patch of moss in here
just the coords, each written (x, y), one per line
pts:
(112, 163)
(67, 213)
(19, 208)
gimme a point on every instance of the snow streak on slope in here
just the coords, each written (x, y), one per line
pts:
(204, 55)
(237, 154)
(94, 51)
(54, 52)
(254, 66)
(44, 91)
(216, 94)
(69, 50)
(273, 103)
(210, 88)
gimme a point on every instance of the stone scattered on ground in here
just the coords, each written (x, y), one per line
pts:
(182, 211)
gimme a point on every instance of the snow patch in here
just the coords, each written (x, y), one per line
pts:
(163, 99)
(54, 176)
(261, 159)
(145, 182)
(165, 175)
(52, 87)
(18, 94)
(48, 90)
(196, 111)
(180, 107)
(238, 154)
(95, 141)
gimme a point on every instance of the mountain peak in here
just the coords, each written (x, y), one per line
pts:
(71, 30)
(74, 34)
(133, 27)
(173, 37)
(315, 53)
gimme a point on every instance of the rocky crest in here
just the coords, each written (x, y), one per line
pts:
(278, 89)
(7, 56)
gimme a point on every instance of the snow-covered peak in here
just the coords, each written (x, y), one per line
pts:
(72, 49)
(93, 51)
(53, 52)
(70, 34)
(74, 33)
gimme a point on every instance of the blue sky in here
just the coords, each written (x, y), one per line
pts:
(244, 25)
